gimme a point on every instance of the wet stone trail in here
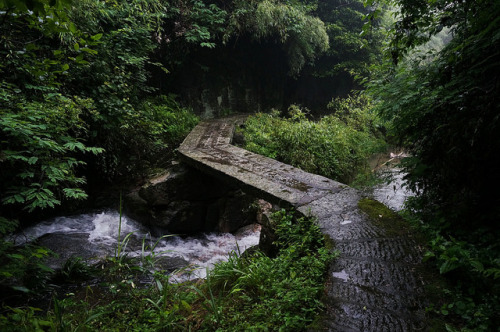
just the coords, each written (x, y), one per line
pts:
(374, 285)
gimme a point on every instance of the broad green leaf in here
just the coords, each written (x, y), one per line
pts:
(97, 36)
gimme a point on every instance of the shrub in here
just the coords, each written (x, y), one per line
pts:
(333, 147)
(274, 294)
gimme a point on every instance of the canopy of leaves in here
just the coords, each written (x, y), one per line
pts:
(304, 36)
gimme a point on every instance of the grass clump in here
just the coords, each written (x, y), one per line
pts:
(337, 146)
(281, 293)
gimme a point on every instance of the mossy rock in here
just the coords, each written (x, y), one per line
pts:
(391, 222)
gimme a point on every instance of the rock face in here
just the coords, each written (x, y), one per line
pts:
(67, 246)
(182, 200)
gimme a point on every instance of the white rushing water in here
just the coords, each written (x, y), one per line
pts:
(101, 231)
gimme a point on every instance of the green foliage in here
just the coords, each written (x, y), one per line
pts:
(444, 108)
(38, 7)
(21, 268)
(195, 22)
(207, 21)
(41, 148)
(24, 319)
(119, 71)
(353, 49)
(355, 111)
(471, 299)
(75, 104)
(329, 147)
(88, 99)
(451, 255)
(164, 122)
(136, 130)
(273, 294)
(303, 36)
(74, 269)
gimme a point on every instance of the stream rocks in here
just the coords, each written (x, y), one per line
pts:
(183, 200)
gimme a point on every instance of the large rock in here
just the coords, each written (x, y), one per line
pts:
(268, 229)
(238, 210)
(183, 200)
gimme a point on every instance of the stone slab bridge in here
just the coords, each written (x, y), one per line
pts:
(373, 285)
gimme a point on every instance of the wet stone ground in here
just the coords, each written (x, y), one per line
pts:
(374, 285)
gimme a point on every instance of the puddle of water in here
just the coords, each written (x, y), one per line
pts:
(341, 275)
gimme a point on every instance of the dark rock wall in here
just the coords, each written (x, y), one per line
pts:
(182, 200)
(245, 76)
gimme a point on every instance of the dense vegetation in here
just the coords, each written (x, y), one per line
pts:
(251, 292)
(444, 108)
(86, 99)
(337, 146)
(96, 74)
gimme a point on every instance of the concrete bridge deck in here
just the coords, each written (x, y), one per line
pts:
(373, 285)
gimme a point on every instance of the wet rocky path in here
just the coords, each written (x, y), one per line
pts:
(374, 285)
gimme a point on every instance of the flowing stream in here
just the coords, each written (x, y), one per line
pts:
(393, 193)
(93, 236)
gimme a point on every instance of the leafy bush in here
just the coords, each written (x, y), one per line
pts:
(469, 300)
(21, 267)
(41, 150)
(330, 147)
(147, 138)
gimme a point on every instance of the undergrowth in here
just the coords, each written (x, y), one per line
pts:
(281, 293)
(469, 262)
(253, 292)
(337, 146)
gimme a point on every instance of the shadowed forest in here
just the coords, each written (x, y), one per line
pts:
(96, 96)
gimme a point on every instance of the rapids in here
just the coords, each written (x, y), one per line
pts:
(94, 236)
